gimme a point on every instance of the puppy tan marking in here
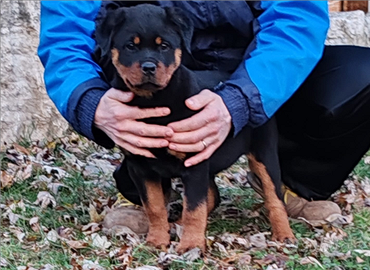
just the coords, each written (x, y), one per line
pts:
(195, 223)
(164, 74)
(281, 230)
(136, 40)
(130, 75)
(179, 155)
(155, 208)
(158, 41)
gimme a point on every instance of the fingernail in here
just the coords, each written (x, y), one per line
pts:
(169, 133)
(191, 102)
(188, 164)
(164, 143)
(166, 111)
(173, 146)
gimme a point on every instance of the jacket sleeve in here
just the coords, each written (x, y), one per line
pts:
(72, 78)
(289, 41)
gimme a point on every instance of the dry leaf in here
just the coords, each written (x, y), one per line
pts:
(359, 260)
(147, 267)
(311, 260)
(367, 160)
(3, 262)
(25, 173)
(87, 265)
(21, 149)
(34, 223)
(258, 240)
(192, 255)
(45, 198)
(364, 252)
(94, 216)
(18, 233)
(13, 218)
(47, 267)
(52, 236)
(92, 227)
(222, 249)
(6, 180)
(76, 244)
(100, 241)
(54, 187)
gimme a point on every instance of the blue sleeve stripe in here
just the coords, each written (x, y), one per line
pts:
(65, 47)
(290, 41)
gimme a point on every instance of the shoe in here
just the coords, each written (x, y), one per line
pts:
(124, 213)
(316, 213)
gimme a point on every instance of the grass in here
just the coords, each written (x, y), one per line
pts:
(239, 216)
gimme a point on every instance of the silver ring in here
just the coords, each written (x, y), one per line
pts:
(204, 144)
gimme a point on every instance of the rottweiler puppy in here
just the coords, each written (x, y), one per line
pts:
(145, 45)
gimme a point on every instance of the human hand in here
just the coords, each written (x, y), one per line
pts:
(205, 131)
(118, 121)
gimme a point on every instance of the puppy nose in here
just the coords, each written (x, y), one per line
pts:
(148, 68)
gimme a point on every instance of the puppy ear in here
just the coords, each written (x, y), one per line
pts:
(183, 23)
(105, 27)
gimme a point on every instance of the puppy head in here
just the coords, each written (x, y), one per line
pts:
(145, 43)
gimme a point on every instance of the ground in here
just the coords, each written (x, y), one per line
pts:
(54, 196)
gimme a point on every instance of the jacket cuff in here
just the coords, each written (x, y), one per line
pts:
(236, 104)
(81, 111)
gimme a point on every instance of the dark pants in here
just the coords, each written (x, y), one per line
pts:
(324, 128)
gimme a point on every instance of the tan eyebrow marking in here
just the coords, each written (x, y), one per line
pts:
(158, 40)
(136, 40)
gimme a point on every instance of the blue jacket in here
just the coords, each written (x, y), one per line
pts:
(280, 43)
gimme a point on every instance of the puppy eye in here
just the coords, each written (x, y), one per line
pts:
(164, 46)
(130, 46)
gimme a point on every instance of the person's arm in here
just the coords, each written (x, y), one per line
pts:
(289, 41)
(72, 78)
(73, 81)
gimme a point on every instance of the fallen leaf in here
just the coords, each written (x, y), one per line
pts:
(21, 149)
(258, 240)
(100, 241)
(54, 187)
(87, 265)
(18, 233)
(24, 173)
(94, 216)
(90, 228)
(34, 223)
(3, 262)
(359, 260)
(147, 267)
(6, 180)
(45, 198)
(13, 218)
(364, 252)
(311, 260)
(76, 244)
(273, 267)
(47, 267)
(52, 236)
(222, 249)
(192, 255)
(367, 160)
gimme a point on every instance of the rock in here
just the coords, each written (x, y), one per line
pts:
(349, 28)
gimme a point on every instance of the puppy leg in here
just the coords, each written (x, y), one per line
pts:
(264, 163)
(213, 198)
(151, 193)
(195, 210)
